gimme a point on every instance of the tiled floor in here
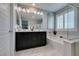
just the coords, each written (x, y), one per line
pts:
(39, 51)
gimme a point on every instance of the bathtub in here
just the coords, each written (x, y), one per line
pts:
(65, 46)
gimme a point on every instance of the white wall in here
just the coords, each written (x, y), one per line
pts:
(7, 29)
(12, 28)
(50, 21)
(4, 29)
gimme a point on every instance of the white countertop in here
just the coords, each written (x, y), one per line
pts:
(26, 30)
(64, 39)
(30, 31)
(71, 40)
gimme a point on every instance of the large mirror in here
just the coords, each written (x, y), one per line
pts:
(28, 20)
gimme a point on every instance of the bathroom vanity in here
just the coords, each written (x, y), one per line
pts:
(25, 40)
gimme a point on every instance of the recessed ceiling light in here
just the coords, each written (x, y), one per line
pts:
(33, 4)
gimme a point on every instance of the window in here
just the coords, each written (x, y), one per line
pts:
(71, 19)
(60, 21)
(65, 20)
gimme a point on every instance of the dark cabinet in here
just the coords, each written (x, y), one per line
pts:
(25, 40)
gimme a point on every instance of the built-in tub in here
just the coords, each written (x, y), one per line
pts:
(66, 46)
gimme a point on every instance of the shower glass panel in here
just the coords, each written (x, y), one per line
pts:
(72, 23)
(67, 22)
(61, 18)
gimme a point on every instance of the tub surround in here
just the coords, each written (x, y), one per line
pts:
(67, 47)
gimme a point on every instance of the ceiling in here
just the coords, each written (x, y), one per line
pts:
(50, 7)
(75, 4)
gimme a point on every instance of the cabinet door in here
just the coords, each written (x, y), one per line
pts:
(34, 38)
(38, 39)
(23, 40)
(42, 38)
(27, 41)
(19, 41)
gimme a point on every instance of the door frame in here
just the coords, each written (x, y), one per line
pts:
(12, 28)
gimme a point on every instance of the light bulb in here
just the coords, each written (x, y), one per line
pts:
(38, 13)
(15, 8)
(23, 10)
(19, 9)
(41, 13)
(33, 4)
(27, 11)
(35, 12)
